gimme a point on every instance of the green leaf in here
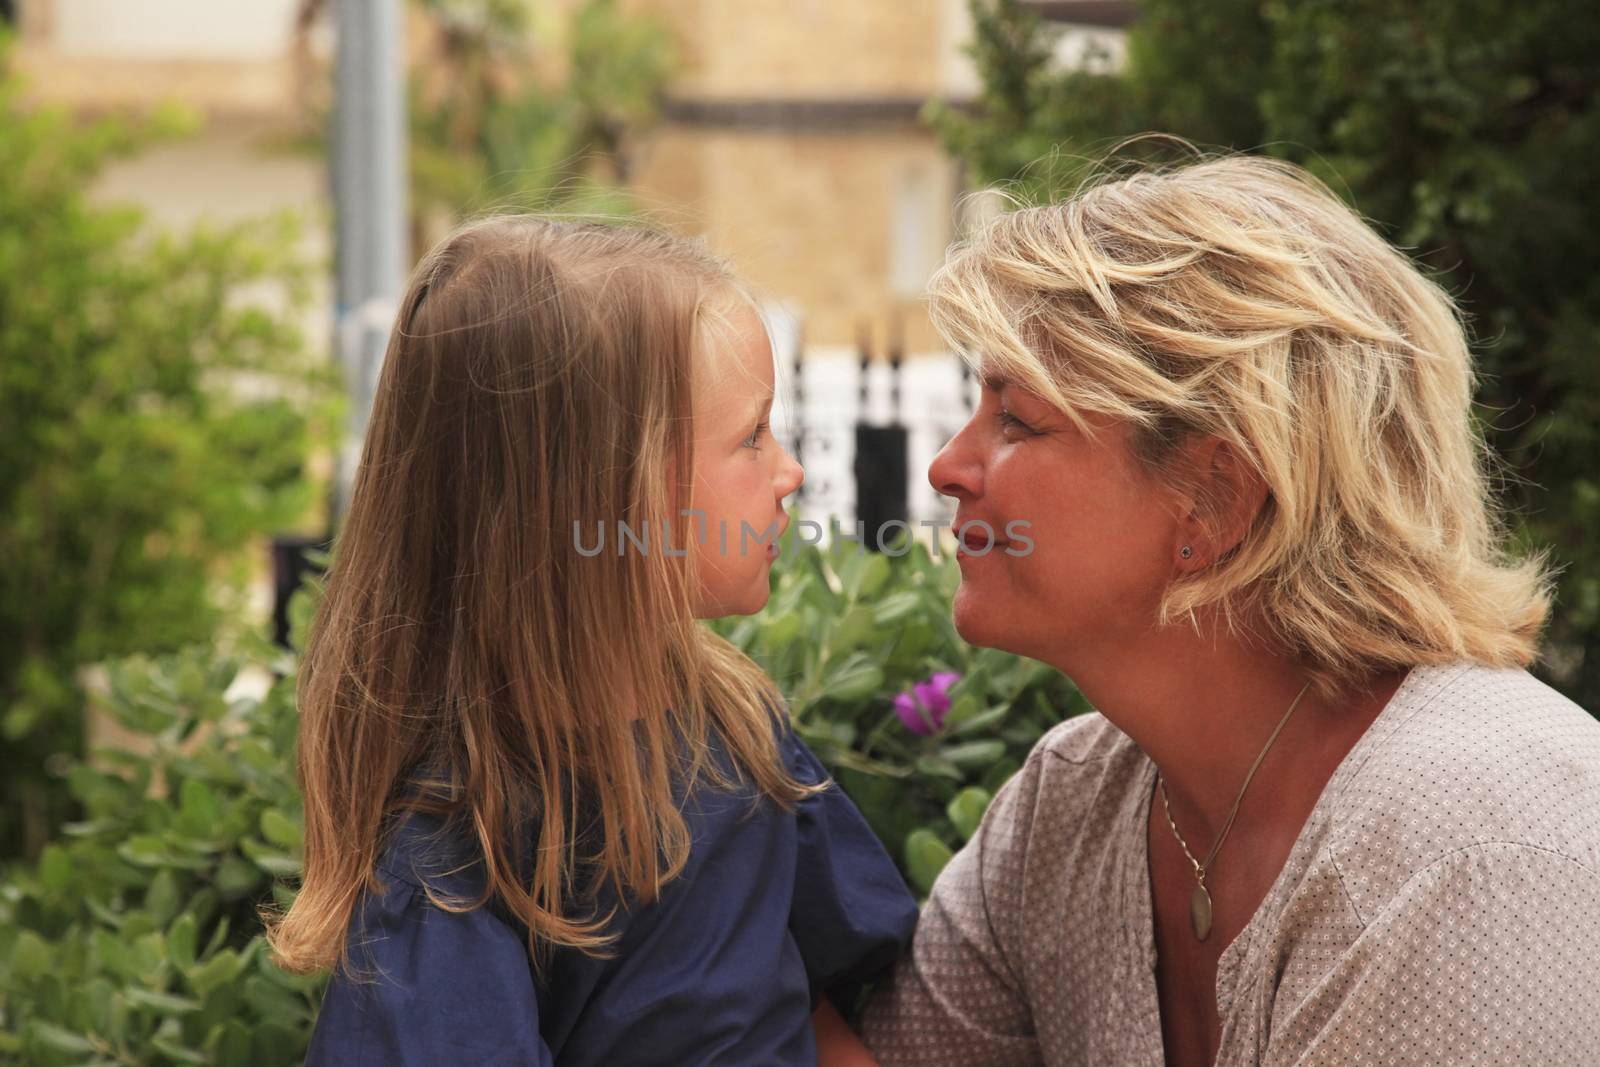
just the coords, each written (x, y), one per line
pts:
(962, 709)
(199, 811)
(55, 869)
(232, 1045)
(783, 630)
(278, 864)
(159, 1002)
(939, 767)
(236, 877)
(976, 723)
(281, 830)
(31, 956)
(995, 778)
(161, 898)
(147, 850)
(864, 574)
(58, 1038)
(144, 850)
(182, 938)
(896, 608)
(272, 1001)
(113, 919)
(219, 937)
(271, 1041)
(220, 969)
(852, 680)
(111, 954)
(966, 810)
(852, 631)
(180, 1053)
(926, 856)
(974, 754)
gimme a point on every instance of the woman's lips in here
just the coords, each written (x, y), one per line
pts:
(974, 540)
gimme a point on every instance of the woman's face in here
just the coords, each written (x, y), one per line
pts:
(1105, 534)
(741, 473)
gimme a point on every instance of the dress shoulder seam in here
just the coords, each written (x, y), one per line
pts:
(1473, 846)
(1114, 748)
(1446, 858)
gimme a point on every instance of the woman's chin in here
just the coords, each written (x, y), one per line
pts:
(975, 620)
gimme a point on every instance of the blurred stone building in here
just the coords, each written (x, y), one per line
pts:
(792, 139)
(794, 142)
(234, 64)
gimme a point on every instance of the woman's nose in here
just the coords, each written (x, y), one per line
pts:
(955, 471)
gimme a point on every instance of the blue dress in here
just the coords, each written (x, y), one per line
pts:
(774, 910)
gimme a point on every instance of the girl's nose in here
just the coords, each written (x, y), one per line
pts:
(790, 475)
(956, 470)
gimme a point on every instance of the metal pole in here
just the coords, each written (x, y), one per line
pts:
(370, 205)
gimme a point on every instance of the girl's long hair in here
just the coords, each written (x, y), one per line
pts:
(537, 384)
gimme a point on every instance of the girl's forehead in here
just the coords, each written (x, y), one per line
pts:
(733, 343)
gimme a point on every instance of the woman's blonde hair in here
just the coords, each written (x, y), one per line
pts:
(466, 659)
(1238, 297)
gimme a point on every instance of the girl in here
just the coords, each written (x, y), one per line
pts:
(549, 817)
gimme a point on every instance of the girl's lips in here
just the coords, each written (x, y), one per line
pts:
(772, 550)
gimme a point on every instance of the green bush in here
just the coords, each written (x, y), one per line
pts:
(156, 426)
(845, 632)
(135, 938)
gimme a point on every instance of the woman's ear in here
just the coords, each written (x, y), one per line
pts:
(1224, 493)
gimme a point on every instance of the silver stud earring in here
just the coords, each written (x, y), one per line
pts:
(1187, 552)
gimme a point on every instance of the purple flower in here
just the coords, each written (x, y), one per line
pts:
(924, 708)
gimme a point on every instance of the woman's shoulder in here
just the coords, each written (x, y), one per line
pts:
(1081, 778)
(1084, 739)
(1467, 757)
(1487, 742)
(1085, 759)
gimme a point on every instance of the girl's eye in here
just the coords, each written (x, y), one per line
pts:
(754, 440)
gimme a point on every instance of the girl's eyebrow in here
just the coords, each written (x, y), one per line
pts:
(995, 382)
(764, 403)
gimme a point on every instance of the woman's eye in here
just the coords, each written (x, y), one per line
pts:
(754, 440)
(1009, 421)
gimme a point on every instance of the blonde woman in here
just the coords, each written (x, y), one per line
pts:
(1323, 814)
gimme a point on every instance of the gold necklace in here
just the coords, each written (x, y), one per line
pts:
(1200, 899)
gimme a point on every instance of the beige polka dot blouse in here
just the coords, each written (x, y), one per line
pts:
(1441, 905)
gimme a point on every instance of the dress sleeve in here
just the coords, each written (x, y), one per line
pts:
(957, 999)
(429, 987)
(1487, 956)
(851, 914)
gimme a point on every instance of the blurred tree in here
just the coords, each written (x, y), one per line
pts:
(507, 115)
(1466, 130)
(516, 106)
(155, 423)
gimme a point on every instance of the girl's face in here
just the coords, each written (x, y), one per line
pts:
(1104, 533)
(741, 473)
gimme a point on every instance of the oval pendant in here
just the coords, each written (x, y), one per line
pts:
(1200, 912)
